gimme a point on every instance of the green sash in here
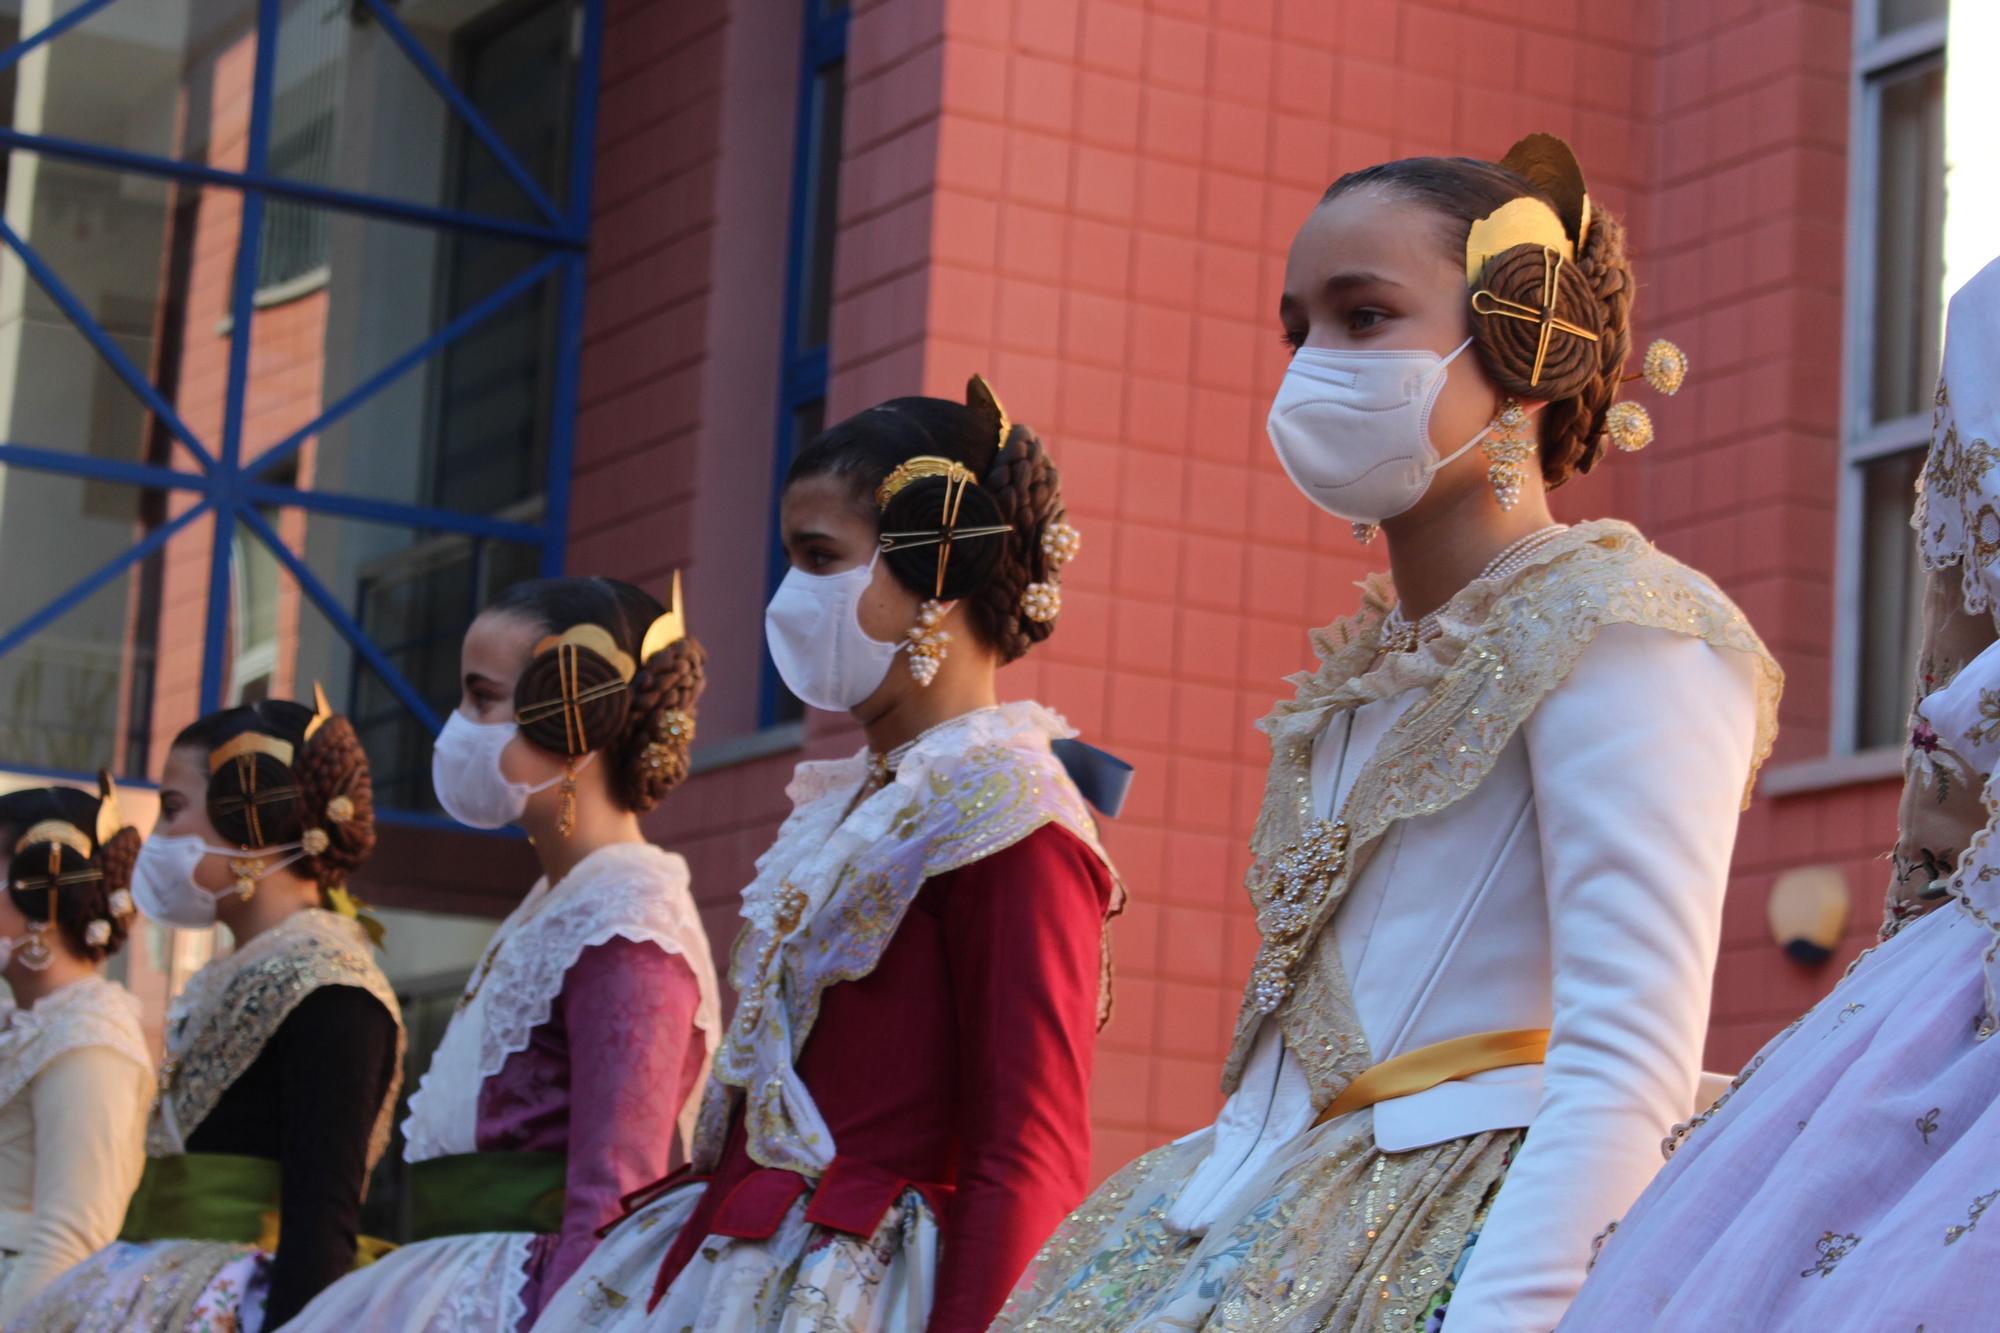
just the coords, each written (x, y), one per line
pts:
(487, 1191)
(205, 1196)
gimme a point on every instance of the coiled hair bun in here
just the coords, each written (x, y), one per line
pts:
(592, 693)
(75, 906)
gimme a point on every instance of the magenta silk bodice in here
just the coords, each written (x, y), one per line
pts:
(601, 1081)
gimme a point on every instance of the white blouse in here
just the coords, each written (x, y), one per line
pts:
(1579, 889)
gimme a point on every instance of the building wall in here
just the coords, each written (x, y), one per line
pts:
(1090, 201)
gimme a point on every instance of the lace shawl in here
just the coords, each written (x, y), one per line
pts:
(832, 889)
(1504, 645)
(632, 891)
(90, 1012)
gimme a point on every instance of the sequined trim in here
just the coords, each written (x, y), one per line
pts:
(231, 1008)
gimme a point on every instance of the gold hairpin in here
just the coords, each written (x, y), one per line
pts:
(252, 799)
(109, 818)
(669, 629)
(322, 710)
(904, 541)
(918, 468)
(1551, 324)
(250, 743)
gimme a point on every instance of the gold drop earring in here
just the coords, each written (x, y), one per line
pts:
(1365, 532)
(1509, 446)
(566, 800)
(927, 642)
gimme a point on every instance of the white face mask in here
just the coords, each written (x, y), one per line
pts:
(813, 626)
(466, 775)
(1352, 429)
(163, 884)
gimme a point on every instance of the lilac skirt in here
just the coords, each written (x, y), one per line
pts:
(1845, 1183)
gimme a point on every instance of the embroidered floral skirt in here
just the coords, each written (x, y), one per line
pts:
(1844, 1185)
(162, 1286)
(453, 1284)
(1334, 1234)
(801, 1279)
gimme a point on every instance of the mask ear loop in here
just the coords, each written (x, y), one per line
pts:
(1444, 374)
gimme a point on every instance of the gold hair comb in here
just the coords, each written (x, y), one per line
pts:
(918, 468)
(669, 629)
(109, 818)
(250, 743)
(322, 710)
(58, 832)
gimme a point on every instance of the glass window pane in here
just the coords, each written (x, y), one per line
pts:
(821, 208)
(1893, 15)
(1909, 243)
(1891, 599)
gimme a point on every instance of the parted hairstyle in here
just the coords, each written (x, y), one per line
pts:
(1579, 378)
(256, 801)
(1018, 487)
(76, 904)
(633, 726)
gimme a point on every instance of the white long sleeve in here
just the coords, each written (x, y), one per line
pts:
(90, 1125)
(1638, 762)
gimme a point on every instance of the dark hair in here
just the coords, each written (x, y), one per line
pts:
(257, 801)
(80, 902)
(645, 730)
(1018, 488)
(1579, 378)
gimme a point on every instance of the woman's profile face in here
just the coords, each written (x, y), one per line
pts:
(1370, 271)
(496, 650)
(184, 812)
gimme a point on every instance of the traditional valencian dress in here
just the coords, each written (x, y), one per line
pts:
(572, 1067)
(1512, 839)
(1845, 1181)
(899, 1112)
(276, 1098)
(75, 1082)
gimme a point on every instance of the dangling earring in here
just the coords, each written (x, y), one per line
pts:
(1508, 449)
(927, 642)
(1365, 532)
(248, 870)
(566, 800)
(36, 955)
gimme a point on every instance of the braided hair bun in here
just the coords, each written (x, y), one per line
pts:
(86, 911)
(589, 691)
(1579, 377)
(322, 798)
(1016, 490)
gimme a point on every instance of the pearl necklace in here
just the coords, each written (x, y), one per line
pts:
(1400, 636)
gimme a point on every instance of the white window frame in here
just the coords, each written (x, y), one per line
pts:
(1862, 440)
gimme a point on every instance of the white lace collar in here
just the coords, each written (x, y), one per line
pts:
(89, 1012)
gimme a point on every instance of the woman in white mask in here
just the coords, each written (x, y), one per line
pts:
(1490, 864)
(899, 1111)
(75, 1075)
(569, 1075)
(283, 1058)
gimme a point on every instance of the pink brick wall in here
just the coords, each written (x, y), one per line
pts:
(1090, 201)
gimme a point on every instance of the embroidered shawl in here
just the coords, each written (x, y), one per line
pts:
(1505, 645)
(832, 889)
(90, 1012)
(231, 1008)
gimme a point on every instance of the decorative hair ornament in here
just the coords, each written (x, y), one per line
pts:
(57, 833)
(1520, 221)
(98, 933)
(120, 902)
(669, 629)
(673, 730)
(1060, 544)
(314, 841)
(247, 745)
(1665, 369)
(110, 819)
(1041, 602)
(340, 809)
(1551, 324)
(322, 710)
(918, 468)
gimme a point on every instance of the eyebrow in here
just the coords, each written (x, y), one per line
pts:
(800, 537)
(1341, 282)
(473, 678)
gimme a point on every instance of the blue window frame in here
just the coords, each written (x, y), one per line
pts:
(506, 225)
(808, 280)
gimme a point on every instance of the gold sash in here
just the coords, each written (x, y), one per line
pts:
(1441, 1062)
